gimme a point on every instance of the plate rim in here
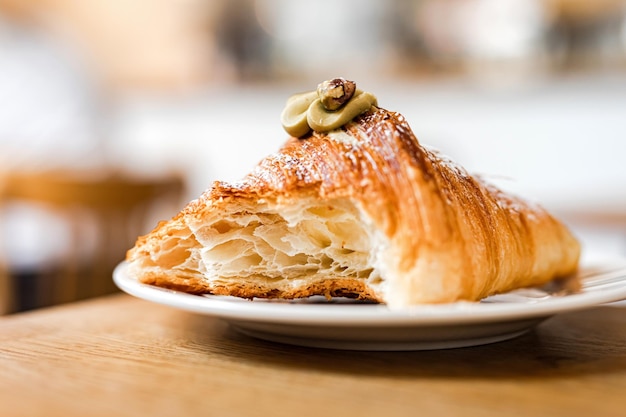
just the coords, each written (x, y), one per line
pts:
(458, 313)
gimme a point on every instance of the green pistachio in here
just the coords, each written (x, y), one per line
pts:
(294, 116)
(335, 93)
(321, 120)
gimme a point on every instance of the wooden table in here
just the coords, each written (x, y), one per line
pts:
(120, 356)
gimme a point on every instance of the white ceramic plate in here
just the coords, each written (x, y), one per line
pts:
(345, 324)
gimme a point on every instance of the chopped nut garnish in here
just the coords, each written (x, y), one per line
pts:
(335, 93)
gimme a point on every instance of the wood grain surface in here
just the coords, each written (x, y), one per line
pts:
(120, 356)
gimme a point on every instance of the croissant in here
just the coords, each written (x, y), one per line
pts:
(364, 211)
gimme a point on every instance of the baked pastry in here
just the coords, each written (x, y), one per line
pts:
(363, 211)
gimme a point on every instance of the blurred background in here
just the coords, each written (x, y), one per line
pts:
(114, 113)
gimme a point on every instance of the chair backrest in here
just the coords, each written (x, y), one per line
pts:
(7, 298)
(105, 212)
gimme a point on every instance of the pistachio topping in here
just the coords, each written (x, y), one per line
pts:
(322, 120)
(335, 103)
(335, 93)
(294, 116)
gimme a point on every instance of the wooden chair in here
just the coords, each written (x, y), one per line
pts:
(7, 299)
(104, 211)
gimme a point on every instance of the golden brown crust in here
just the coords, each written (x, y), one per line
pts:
(349, 288)
(451, 236)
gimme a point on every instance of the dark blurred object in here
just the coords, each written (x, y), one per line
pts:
(7, 299)
(242, 41)
(587, 34)
(104, 212)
